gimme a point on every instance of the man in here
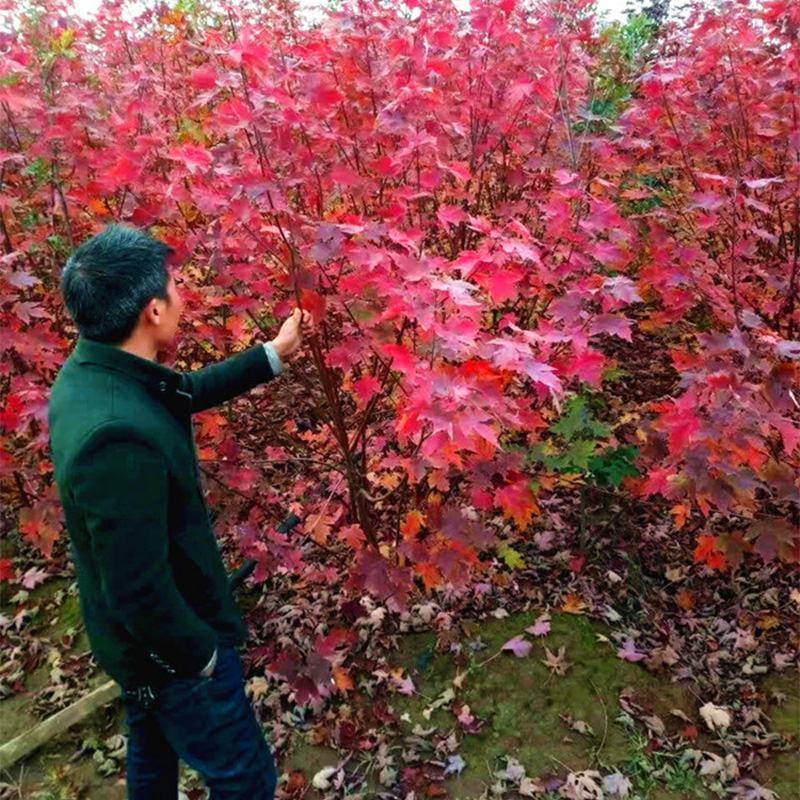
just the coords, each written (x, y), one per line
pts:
(154, 593)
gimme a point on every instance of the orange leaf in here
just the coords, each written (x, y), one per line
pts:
(429, 573)
(319, 527)
(573, 604)
(707, 551)
(211, 424)
(681, 513)
(97, 206)
(344, 683)
(768, 622)
(412, 524)
(36, 527)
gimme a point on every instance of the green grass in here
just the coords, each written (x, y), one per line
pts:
(523, 704)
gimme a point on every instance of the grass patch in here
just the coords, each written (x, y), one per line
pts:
(527, 710)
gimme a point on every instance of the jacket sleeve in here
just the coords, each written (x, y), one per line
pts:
(226, 379)
(121, 485)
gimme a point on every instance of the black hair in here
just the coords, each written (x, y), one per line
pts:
(110, 278)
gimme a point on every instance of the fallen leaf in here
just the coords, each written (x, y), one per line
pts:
(582, 786)
(322, 779)
(519, 646)
(455, 765)
(344, 683)
(574, 604)
(541, 627)
(716, 717)
(617, 785)
(628, 651)
(556, 663)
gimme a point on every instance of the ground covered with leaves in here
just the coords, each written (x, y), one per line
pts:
(606, 670)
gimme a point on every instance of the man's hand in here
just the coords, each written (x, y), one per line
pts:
(291, 333)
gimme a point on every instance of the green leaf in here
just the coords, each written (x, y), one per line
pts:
(513, 558)
(613, 464)
(578, 419)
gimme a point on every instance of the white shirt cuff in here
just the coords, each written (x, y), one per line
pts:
(274, 358)
(207, 671)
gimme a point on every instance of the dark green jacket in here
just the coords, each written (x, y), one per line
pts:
(153, 589)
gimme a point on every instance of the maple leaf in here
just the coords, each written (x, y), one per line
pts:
(33, 577)
(124, 170)
(403, 684)
(501, 283)
(430, 574)
(573, 604)
(353, 535)
(194, 158)
(587, 365)
(556, 662)
(451, 215)
(11, 415)
(612, 324)
(36, 526)
(412, 524)
(211, 424)
(518, 502)
(707, 551)
(27, 311)
(366, 388)
(315, 303)
(344, 683)
(622, 288)
(318, 527)
(512, 557)
(322, 93)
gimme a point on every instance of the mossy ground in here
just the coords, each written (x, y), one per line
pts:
(524, 705)
(782, 772)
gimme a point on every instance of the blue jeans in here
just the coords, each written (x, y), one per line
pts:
(206, 722)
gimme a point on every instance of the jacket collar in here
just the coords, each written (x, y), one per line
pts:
(158, 377)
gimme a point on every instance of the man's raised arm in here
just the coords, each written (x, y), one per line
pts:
(260, 363)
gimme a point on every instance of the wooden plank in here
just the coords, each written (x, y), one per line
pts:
(26, 743)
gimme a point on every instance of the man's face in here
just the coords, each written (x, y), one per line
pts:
(169, 313)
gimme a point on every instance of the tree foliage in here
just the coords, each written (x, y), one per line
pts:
(475, 206)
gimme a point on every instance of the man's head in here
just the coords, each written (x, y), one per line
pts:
(117, 285)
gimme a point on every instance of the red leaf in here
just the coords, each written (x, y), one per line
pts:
(707, 552)
(314, 302)
(518, 502)
(204, 77)
(6, 570)
(501, 284)
(366, 388)
(451, 215)
(429, 573)
(612, 324)
(124, 170)
(193, 158)
(11, 415)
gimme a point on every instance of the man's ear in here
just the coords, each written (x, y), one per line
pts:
(151, 312)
